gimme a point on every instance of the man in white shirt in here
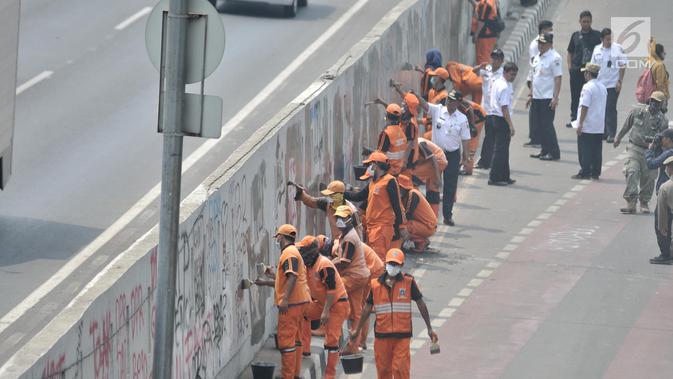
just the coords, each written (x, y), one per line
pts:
(489, 73)
(612, 61)
(451, 132)
(591, 124)
(503, 128)
(545, 26)
(545, 76)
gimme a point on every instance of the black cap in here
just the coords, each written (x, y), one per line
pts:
(455, 95)
(546, 38)
(497, 53)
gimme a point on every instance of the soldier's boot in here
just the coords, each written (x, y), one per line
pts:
(630, 207)
(662, 260)
(644, 207)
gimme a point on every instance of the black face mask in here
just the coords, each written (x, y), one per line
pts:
(310, 258)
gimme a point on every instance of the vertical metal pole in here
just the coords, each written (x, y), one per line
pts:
(174, 80)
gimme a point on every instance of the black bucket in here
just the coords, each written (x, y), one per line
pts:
(352, 364)
(262, 370)
(359, 171)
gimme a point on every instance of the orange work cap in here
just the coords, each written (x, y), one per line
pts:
(395, 109)
(376, 156)
(405, 182)
(441, 72)
(336, 186)
(395, 255)
(412, 103)
(286, 230)
(322, 239)
(306, 242)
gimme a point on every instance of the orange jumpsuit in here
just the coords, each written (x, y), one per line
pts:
(424, 169)
(476, 115)
(421, 220)
(353, 270)
(393, 142)
(323, 204)
(486, 41)
(290, 322)
(465, 80)
(392, 330)
(323, 280)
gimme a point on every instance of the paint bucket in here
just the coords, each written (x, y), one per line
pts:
(359, 171)
(262, 370)
(352, 364)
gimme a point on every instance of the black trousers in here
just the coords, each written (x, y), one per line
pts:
(450, 182)
(576, 84)
(487, 146)
(543, 117)
(500, 164)
(663, 240)
(590, 153)
(533, 132)
(611, 113)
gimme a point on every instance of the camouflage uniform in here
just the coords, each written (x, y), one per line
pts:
(643, 126)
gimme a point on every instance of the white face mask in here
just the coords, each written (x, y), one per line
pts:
(393, 270)
(340, 223)
(370, 170)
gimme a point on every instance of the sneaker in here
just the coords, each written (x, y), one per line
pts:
(644, 208)
(536, 155)
(662, 260)
(629, 209)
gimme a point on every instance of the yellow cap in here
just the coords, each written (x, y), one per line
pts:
(343, 211)
(286, 230)
(592, 68)
(658, 96)
(336, 186)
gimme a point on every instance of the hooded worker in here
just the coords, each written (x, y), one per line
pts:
(390, 299)
(384, 216)
(392, 140)
(333, 197)
(433, 60)
(292, 297)
(349, 259)
(421, 219)
(330, 301)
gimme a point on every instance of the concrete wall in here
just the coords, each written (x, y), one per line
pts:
(9, 44)
(228, 221)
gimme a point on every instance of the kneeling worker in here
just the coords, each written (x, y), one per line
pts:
(292, 296)
(421, 220)
(391, 300)
(330, 301)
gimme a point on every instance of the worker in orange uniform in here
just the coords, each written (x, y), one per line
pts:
(421, 219)
(476, 115)
(333, 197)
(433, 60)
(349, 259)
(392, 140)
(384, 216)
(390, 299)
(483, 36)
(292, 297)
(376, 269)
(465, 80)
(330, 301)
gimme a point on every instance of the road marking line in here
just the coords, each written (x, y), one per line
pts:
(416, 344)
(419, 272)
(484, 273)
(526, 231)
(280, 79)
(423, 334)
(569, 195)
(517, 239)
(543, 216)
(438, 322)
(578, 188)
(535, 223)
(447, 312)
(456, 302)
(31, 82)
(474, 283)
(510, 247)
(493, 265)
(502, 255)
(585, 181)
(465, 292)
(133, 18)
(561, 202)
(552, 208)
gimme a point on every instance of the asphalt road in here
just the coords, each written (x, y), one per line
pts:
(545, 278)
(85, 144)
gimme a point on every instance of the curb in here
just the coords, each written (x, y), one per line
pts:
(524, 31)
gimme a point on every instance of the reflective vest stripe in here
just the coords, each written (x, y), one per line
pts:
(395, 155)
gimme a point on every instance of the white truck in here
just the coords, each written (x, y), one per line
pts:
(9, 44)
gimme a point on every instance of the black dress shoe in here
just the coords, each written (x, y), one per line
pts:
(569, 125)
(510, 181)
(501, 184)
(580, 177)
(481, 166)
(449, 222)
(610, 140)
(548, 157)
(595, 178)
(536, 155)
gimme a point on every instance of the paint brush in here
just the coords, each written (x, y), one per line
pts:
(245, 284)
